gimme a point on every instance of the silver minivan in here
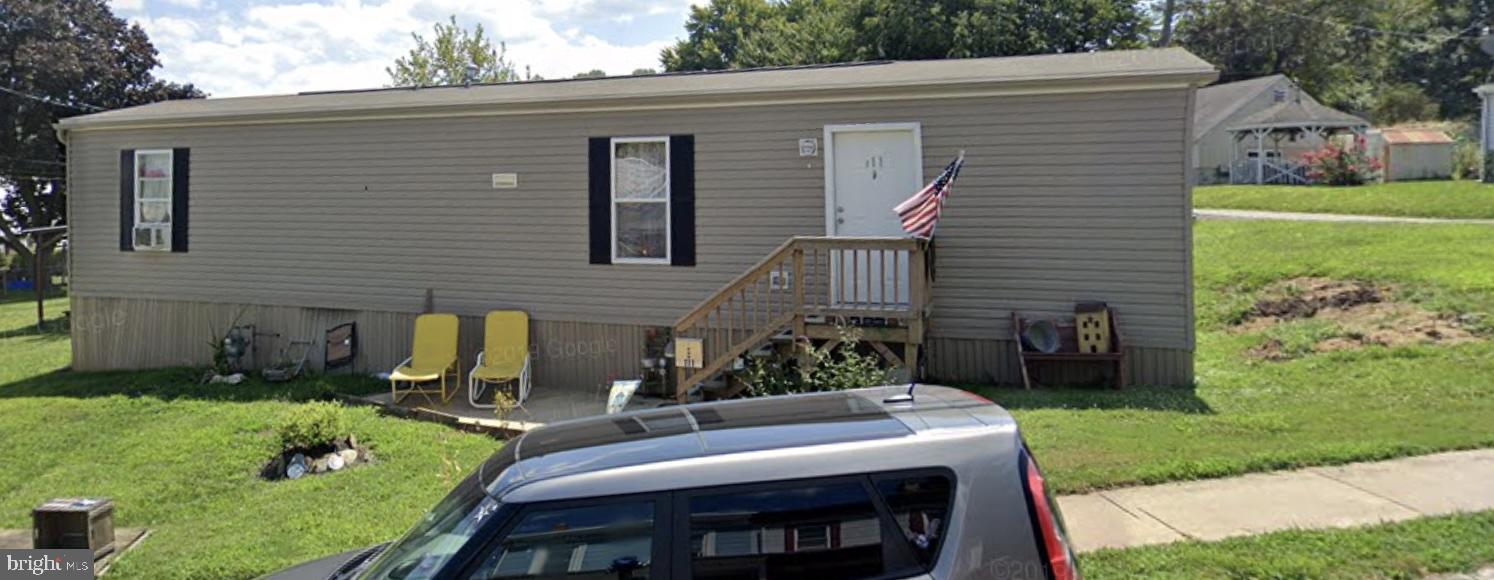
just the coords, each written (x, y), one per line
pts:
(890, 482)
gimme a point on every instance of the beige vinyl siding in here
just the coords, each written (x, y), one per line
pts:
(581, 357)
(129, 333)
(954, 361)
(1064, 198)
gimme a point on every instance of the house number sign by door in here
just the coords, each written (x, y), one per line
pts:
(809, 147)
(874, 163)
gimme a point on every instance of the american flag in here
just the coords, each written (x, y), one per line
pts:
(920, 213)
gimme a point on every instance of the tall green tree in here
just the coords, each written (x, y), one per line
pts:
(1446, 64)
(747, 33)
(454, 56)
(1334, 49)
(60, 58)
(1395, 60)
(718, 33)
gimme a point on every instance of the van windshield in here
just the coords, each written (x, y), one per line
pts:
(427, 548)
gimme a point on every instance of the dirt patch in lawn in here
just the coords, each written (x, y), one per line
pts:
(1305, 297)
(1352, 314)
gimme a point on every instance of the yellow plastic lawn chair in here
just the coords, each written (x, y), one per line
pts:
(434, 358)
(504, 358)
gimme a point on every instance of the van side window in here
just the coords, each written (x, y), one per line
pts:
(612, 540)
(920, 504)
(807, 530)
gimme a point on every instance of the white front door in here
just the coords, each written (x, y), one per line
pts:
(869, 170)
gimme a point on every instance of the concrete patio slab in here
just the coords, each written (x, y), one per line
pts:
(542, 407)
(1107, 525)
(125, 539)
(1253, 504)
(1431, 484)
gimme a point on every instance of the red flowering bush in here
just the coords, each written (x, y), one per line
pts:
(1335, 164)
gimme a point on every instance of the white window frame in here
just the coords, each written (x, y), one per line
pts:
(828, 543)
(668, 196)
(170, 180)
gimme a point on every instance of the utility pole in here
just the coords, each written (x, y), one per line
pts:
(1169, 7)
(39, 281)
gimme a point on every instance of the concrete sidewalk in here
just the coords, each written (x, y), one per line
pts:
(1318, 497)
(1247, 214)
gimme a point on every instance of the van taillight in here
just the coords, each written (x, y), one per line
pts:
(1055, 548)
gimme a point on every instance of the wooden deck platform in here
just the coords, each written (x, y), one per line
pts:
(125, 539)
(542, 407)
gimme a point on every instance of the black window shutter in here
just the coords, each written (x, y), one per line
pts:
(682, 200)
(127, 200)
(180, 166)
(600, 199)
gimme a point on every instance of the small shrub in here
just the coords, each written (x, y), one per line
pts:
(504, 403)
(312, 425)
(1335, 164)
(1466, 161)
(831, 369)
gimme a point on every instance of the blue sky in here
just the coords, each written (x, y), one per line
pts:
(256, 47)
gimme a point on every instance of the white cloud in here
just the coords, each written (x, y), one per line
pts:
(345, 44)
(126, 5)
(186, 3)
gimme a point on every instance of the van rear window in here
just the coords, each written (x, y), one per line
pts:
(818, 530)
(920, 504)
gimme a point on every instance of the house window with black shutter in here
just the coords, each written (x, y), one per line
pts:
(153, 200)
(643, 200)
(640, 199)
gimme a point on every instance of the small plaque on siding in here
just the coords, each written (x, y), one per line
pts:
(689, 353)
(809, 147)
(505, 180)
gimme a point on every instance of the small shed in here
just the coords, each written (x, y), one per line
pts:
(1411, 154)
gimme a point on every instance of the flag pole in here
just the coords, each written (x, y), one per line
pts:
(954, 172)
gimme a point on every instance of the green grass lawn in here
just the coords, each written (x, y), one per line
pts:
(182, 459)
(1251, 415)
(1438, 199)
(1412, 549)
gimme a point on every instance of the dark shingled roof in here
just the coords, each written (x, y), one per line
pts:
(1078, 71)
(1216, 103)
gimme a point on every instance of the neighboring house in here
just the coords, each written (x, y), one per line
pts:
(608, 207)
(1291, 119)
(1222, 106)
(1411, 153)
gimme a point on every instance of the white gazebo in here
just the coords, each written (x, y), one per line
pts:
(1292, 121)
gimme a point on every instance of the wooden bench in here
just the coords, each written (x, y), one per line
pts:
(1068, 349)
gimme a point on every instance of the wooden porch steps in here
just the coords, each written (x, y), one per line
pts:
(800, 289)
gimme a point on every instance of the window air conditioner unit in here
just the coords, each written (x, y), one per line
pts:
(153, 238)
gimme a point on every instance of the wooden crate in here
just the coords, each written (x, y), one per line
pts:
(74, 523)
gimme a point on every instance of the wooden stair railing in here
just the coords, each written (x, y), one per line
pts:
(867, 277)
